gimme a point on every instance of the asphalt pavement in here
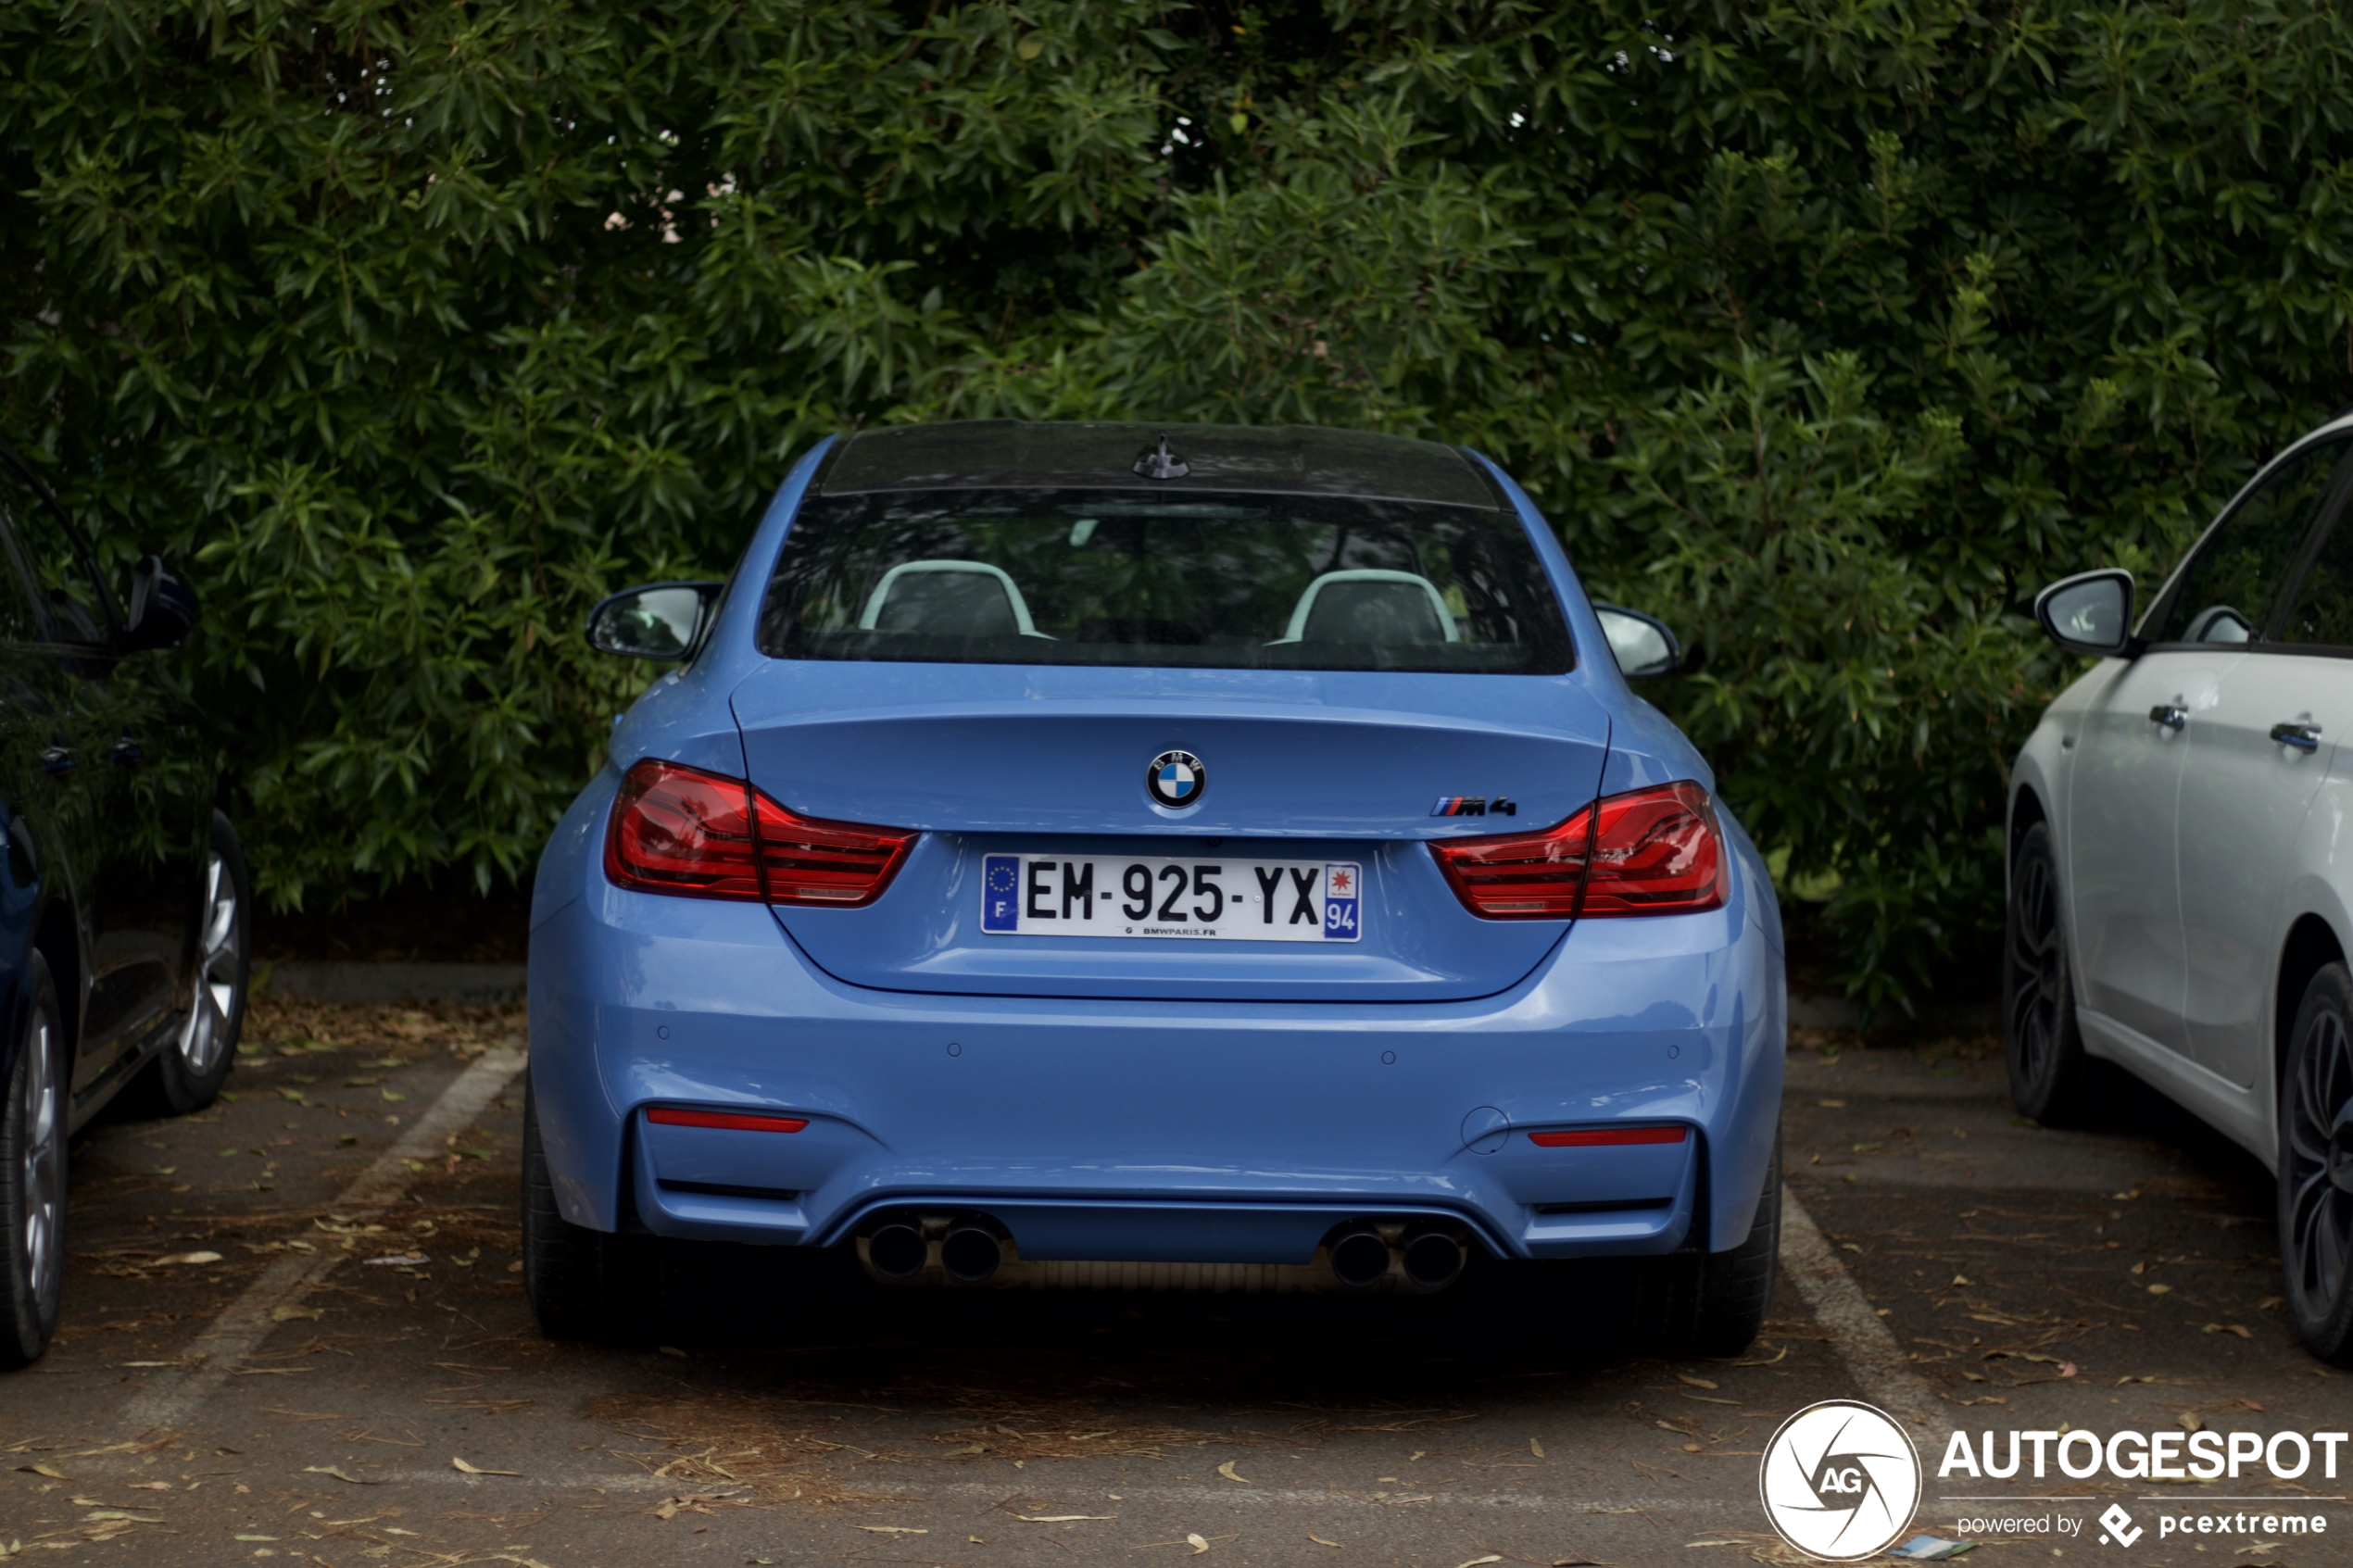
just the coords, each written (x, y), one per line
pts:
(295, 1329)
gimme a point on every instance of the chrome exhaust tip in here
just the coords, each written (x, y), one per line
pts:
(1360, 1258)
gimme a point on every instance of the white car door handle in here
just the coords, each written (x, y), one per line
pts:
(2301, 736)
(2167, 714)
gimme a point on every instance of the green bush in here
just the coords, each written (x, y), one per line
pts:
(1825, 329)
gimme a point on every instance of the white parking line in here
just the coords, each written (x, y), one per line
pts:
(904, 1491)
(171, 1398)
(1880, 1370)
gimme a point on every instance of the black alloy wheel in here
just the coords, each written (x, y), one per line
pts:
(32, 1177)
(581, 1283)
(2316, 1167)
(2040, 1042)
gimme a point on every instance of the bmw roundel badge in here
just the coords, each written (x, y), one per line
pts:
(1177, 779)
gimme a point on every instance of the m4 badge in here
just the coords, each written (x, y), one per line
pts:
(1474, 806)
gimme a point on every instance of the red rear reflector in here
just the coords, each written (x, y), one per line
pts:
(1653, 851)
(728, 1121)
(703, 835)
(1592, 1137)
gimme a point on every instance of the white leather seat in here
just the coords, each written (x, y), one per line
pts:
(948, 598)
(1369, 604)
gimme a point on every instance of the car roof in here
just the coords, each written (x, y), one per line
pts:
(1269, 459)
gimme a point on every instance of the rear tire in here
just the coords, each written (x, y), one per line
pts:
(32, 1177)
(1714, 1303)
(2041, 1044)
(2316, 1167)
(582, 1283)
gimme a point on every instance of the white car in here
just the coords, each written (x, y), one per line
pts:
(2181, 855)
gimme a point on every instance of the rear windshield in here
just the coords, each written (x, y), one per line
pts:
(1210, 581)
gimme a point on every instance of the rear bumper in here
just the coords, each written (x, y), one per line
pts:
(1149, 1131)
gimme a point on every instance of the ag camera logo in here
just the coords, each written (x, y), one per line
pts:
(1839, 1481)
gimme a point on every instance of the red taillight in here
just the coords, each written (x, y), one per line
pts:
(703, 835)
(1648, 852)
(729, 1121)
(1595, 1137)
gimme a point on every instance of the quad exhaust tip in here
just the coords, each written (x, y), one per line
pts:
(1423, 1257)
(1433, 1260)
(898, 1251)
(1360, 1258)
(970, 1253)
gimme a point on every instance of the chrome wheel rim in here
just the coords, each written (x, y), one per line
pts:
(2037, 967)
(2319, 1167)
(42, 1140)
(206, 1033)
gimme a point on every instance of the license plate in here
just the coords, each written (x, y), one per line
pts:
(1123, 896)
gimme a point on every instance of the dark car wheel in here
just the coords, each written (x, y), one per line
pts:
(1736, 1287)
(32, 1177)
(190, 1072)
(2316, 1167)
(2040, 1042)
(1714, 1303)
(582, 1283)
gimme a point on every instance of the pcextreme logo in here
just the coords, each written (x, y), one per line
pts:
(1839, 1481)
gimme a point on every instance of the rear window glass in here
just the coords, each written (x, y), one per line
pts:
(1216, 582)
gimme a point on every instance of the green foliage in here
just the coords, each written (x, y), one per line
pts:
(1828, 330)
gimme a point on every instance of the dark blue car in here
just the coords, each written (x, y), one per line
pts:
(124, 905)
(1154, 857)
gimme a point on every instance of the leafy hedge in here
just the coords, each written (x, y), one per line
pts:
(1825, 329)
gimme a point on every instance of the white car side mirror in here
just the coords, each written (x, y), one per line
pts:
(2090, 613)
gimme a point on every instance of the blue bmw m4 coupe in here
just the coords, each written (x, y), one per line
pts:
(1193, 857)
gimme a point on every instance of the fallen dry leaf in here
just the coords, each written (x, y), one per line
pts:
(43, 1470)
(191, 1258)
(1059, 1518)
(1475, 1561)
(461, 1465)
(1538, 1449)
(288, 1314)
(2191, 1421)
(1320, 1541)
(1694, 1381)
(2161, 1289)
(1226, 1470)
(331, 1470)
(1198, 1545)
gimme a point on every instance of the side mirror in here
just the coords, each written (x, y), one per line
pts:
(660, 621)
(2089, 613)
(163, 608)
(1644, 647)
